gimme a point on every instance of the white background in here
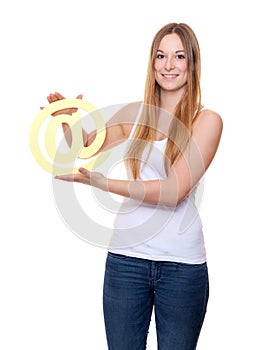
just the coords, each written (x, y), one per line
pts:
(51, 281)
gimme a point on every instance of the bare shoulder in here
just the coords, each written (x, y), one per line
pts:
(209, 115)
(208, 120)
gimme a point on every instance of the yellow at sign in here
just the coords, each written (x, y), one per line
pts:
(77, 148)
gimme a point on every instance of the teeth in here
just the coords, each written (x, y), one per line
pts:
(169, 75)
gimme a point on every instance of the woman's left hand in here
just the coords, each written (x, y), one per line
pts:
(86, 177)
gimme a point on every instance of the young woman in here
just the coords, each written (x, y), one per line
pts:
(156, 259)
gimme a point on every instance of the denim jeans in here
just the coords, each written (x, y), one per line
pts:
(178, 292)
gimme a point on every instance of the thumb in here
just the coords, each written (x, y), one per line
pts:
(84, 171)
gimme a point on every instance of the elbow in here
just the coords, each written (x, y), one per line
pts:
(168, 195)
(171, 195)
(171, 201)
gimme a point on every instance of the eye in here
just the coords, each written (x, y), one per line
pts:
(160, 56)
(180, 57)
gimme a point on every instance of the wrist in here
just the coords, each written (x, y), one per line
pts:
(99, 181)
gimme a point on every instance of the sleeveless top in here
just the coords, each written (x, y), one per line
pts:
(154, 231)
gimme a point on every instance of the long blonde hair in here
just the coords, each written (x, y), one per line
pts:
(189, 105)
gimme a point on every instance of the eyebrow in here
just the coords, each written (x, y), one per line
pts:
(175, 52)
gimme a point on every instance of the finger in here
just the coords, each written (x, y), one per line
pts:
(84, 172)
(68, 178)
(51, 98)
(59, 96)
(74, 178)
(55, 97)
(80, 96)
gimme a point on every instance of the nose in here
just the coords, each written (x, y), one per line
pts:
(169, 64)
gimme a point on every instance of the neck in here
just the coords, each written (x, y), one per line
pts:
(169, 99)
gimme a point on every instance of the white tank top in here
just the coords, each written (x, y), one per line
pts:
(158, 232)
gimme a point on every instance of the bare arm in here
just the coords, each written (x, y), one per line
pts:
(117, 128)
(183, 175)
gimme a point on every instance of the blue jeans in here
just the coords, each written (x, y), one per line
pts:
(178, 293)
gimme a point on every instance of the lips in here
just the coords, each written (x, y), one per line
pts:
(170, 76)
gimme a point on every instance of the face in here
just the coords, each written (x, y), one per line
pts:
(170, 64)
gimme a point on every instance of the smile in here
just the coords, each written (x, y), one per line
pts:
(170, 76)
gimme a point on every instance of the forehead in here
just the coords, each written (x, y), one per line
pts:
(171, 42)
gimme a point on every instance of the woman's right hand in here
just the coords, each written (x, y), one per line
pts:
(57, 97)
